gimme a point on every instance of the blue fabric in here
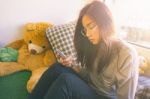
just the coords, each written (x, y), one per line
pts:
(60, 82)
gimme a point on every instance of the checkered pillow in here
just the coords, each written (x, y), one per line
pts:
(61, 37)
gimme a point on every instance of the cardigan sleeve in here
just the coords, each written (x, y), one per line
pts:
(127, 75)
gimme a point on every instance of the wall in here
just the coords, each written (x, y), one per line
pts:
(15, 13)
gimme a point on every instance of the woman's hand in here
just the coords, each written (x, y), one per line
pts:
(66, 61)
(69, 62)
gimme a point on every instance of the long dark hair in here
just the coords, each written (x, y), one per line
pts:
(95, 57)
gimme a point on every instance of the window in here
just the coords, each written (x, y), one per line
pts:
(133, 20)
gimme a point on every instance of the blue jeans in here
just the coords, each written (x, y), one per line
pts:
(59, 82)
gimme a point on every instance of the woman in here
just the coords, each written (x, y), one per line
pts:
(109, 65)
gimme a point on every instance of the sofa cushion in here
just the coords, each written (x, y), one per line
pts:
(14, 86)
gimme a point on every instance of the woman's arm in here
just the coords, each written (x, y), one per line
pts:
(127, 76)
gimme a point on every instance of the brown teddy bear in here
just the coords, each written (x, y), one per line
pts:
(34, 51)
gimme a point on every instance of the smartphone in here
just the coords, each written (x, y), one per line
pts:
(60, 53)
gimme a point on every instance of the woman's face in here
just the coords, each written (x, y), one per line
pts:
(91, 30)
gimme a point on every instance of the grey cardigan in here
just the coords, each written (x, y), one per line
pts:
(120, 77)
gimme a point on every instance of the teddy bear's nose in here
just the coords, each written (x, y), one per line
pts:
(33, 51)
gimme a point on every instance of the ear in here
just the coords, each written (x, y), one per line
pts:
(30, 27)
(42, 26)
(16, 44)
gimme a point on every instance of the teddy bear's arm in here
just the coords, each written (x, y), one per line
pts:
(36, 75)
(16, 44)
(23, 54)
(7, 68)
(49, 58)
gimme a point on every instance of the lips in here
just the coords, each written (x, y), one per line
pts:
(92, 40)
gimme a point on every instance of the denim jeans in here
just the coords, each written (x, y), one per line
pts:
(59, 82)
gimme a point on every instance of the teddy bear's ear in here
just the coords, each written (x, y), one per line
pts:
(16, 44)
(30, 27)
(42, 26)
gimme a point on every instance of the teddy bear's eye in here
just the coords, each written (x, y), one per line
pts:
(43, 46)
(30, 41)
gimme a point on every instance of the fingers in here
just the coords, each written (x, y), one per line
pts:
(66, 61)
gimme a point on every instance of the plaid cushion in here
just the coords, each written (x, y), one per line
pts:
(61, 37)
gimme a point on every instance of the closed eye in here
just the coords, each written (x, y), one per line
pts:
(91, 26)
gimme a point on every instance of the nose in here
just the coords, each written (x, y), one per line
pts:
(33, 51)
(88, 34)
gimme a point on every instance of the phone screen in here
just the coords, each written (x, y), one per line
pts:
(60, 53)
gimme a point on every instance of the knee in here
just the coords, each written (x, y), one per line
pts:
(58, 69)
(68, 77)
(56, 66)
